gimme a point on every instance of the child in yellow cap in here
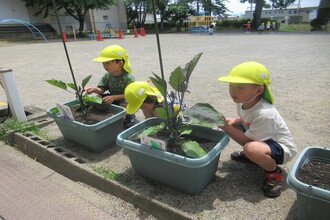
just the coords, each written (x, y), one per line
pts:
(259, 129)
(118, 76)
(141, 95)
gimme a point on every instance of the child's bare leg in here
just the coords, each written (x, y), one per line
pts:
(260, 153)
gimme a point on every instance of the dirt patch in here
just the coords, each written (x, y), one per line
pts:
(93, 116)
(316, 174)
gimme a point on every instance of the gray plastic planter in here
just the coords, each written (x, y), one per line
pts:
(97, 137)
(312, 202)
(187, 174)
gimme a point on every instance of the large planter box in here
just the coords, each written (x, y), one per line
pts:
(312, 202)
(187, 174)
(97, 137)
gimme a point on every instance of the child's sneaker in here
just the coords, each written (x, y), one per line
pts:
(273, 183)
(239, 156)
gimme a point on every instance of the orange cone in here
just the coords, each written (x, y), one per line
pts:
(99, 37)
(120, 34)
(64, 37)
(135, 32)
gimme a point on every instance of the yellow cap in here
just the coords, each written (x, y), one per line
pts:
(137, 92)
(114, 52)
(251, 73)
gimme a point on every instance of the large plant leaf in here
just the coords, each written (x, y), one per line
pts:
(85, 81)
(189, 68)
(57, 83)
(205, 114)
(72, 86)
(87, 98)
(192, 149)
(160, 84)
(176, 79)
(161, 113)
(154, 129)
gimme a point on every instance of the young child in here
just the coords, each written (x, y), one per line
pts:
(261, 28)
(141, 95)
(115, 61)
(248, 27)
(260, 129)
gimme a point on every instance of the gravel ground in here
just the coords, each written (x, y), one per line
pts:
(299, 67)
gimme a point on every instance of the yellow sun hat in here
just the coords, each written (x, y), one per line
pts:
(114, 52)
(137, 92)
(251, 73)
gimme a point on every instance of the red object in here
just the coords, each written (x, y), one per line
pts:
(135, 32)
(120, 34)
(144, 32)
(64, 37)
(141, 32)
(99, 37)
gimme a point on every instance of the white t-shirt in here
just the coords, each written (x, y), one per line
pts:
(264, 122)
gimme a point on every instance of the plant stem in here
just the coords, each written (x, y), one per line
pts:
(161, 65)
(67, 56)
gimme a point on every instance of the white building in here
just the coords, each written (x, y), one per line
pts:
(94, 20)
(292, 14)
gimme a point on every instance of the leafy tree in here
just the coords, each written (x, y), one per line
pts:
(259, 4)
(137, 11)
(75, 8)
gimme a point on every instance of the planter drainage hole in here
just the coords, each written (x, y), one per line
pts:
(69, 155)
(80, 161)
(60, 150)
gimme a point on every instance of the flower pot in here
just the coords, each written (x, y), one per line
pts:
(97, 137)
(186, 174)
(312, 202)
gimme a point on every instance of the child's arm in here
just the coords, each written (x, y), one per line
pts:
(234, 132)
(111, 98)
(95, 90)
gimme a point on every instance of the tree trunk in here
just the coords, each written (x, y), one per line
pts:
(257, 13)
(81, 26)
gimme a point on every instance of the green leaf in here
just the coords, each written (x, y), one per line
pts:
(189, 68)
(95, 99)
(192, 149)
(186, 130)
(176, 79)
(160, 84)
(154, 129)
(161, 112)
(85, 81)
(205, 114)
(57, 83)
(72, 86)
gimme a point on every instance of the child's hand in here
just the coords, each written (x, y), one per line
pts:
(108, 99)
(89, 90)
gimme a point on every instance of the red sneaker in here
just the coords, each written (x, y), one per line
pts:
(273, 183)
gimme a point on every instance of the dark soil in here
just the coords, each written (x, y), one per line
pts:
(315, 173)
(93, 116)
(205, 144)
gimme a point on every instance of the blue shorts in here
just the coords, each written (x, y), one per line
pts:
(277, 151)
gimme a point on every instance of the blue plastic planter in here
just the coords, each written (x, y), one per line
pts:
(312, 202)
(187, 174)
(97, 137)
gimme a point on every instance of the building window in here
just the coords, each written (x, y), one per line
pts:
(295, 12)
(105, 18)
(307, 12)
(290, 12)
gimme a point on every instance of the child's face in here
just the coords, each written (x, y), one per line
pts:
(113, 67)
(242, 93)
